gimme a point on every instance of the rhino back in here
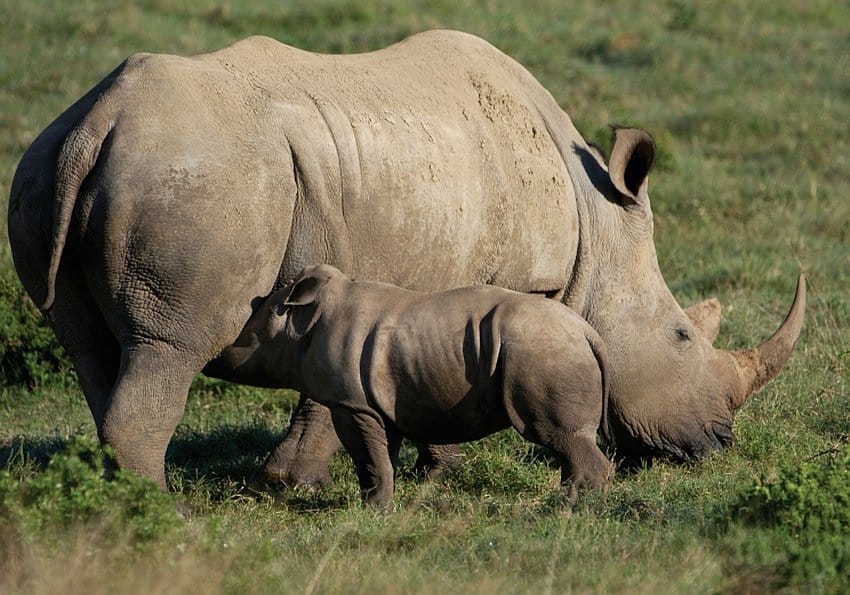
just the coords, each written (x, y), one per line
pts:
(425, 164)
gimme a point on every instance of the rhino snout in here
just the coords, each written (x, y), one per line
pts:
(688, 440)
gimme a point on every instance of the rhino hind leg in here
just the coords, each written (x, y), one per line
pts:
(301, 459)
(97, 370)
(583, 465)
(372, 446)
(146, 405)
(83, 333)
(567, 422)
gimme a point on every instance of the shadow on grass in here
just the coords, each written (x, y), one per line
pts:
(226, 463)
(224, 453)
(304, 502)
(228, 453)
(29, 451)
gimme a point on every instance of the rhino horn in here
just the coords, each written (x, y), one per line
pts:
(706, 317)
(758, 366)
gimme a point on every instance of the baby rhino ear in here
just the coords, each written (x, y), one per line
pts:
(304, 292)
(307, 286)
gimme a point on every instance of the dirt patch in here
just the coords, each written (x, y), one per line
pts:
(501, 107)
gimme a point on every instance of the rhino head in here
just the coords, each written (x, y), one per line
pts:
(672, 394)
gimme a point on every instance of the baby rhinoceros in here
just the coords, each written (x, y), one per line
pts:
(444, 367)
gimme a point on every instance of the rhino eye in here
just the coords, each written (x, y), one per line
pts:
(683, 335)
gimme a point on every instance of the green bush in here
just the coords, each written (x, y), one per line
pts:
(29, 352)
(805, 512)
(77, 488)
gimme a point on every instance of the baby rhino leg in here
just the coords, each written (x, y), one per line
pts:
(373, 448)
(583, 465)
(565, 419)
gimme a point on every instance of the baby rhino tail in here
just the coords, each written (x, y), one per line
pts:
(600, 352)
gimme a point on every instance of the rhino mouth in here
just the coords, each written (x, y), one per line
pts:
(688, 444)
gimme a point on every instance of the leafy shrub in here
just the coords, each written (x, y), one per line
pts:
(29, 352)
(77, 488)
(806, 510)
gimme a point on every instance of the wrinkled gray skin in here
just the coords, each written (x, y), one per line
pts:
(152, 217)
(441, 367)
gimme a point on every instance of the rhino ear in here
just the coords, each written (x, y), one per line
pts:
(307, 286)
(632, 156)
(706, 317)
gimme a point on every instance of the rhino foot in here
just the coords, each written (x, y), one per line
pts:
(309, 474)
(435, 459)
(302, 457)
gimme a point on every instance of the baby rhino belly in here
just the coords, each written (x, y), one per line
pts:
(429, 377)
(443, 414)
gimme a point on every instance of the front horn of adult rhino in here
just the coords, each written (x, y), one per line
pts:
(756, 367)
(683, 428)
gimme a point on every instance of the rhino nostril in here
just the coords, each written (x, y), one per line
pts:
(719, 433)
(723, 432)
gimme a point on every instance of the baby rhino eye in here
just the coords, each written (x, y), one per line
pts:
(683, 335)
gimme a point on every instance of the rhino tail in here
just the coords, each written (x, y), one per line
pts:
(76, 159)
(600, 352)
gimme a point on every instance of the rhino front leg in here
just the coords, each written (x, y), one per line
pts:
(146, 405)
(369, 442)
(435, 459)
(301, 459)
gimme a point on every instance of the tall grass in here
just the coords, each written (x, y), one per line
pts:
(750, 106)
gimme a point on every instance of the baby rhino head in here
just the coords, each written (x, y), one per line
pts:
(267, 351)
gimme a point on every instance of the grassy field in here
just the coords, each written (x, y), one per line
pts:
(750, 105)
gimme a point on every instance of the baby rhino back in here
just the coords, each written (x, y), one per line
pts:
(432, 367)
(443, 368)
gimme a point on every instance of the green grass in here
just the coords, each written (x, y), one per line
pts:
(750, 105)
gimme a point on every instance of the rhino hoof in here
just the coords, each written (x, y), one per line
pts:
(307, 475)
(434, 460)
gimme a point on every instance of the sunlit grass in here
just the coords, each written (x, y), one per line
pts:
(750, 107)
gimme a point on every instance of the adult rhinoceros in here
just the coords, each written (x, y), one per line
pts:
(157, 211)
